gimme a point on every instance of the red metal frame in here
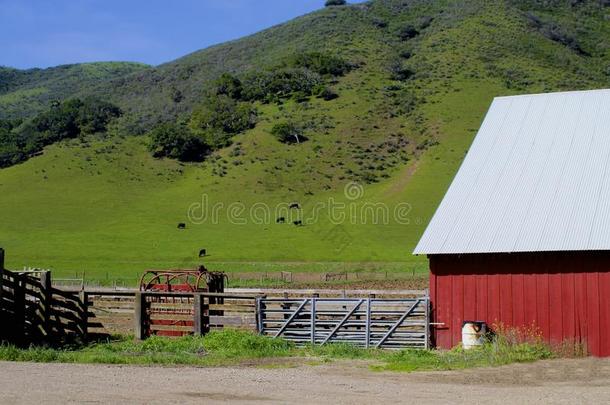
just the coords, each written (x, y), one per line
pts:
(197, 280)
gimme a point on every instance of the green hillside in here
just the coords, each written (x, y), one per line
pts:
(24, 93)
(424, 75)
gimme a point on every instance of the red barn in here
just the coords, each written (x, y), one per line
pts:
(522, 236)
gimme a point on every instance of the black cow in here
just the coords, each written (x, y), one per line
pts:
(295, 205)
(181, 225)
(203, 253)
(298, 223)
(280, 220)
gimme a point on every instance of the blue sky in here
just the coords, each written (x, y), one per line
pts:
(42, 33)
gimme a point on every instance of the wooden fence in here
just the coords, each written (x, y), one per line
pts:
(33, 311)
(170, 314)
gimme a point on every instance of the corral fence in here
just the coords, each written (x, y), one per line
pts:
(364, 322)
(167, 313)
(32, 310)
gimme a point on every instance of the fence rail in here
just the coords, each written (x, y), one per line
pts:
(32, 311)
(365, 322)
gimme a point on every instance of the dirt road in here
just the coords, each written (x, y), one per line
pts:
(585, 381)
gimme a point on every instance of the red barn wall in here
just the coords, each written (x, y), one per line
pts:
(566, 295)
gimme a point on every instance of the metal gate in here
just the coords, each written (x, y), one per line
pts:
(364, 322)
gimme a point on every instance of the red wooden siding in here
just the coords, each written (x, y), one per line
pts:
(566, 295)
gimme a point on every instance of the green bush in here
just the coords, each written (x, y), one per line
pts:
(75, 117)
(70, 119)
(330, 3)
(219, 118)
(274, 85)
(408, 32)
(326, 93)
(404, 101)
(400, 71)
(176, 141)
(322, 63)
(229, 85)
(288, 132)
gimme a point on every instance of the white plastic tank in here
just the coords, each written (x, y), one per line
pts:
(474, 334)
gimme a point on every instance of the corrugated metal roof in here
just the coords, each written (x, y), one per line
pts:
(536, 178)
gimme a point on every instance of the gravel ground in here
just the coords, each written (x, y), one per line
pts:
(580, 381)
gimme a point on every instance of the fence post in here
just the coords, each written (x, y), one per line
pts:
(201, 321)
(1, 287)
(84, 316)
(367, 342)
(139, 316)
(260, 314)
(47, 301)
(313, 320)
(19, 302)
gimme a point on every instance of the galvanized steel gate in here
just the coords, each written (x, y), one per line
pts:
(364, 322)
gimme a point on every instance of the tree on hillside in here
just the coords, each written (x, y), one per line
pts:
(176, 141)
(219, 118)
(408, 32)
(322, 63)
(288, 132)
(229, 85)
(279, 83)
(330, 3)
(95, 114)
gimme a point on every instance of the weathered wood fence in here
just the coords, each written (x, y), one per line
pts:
(33, 311)
(168, 314)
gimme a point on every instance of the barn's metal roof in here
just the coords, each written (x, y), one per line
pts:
(536, 178)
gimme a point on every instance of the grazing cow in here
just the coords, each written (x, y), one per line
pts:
(298, 223)
(203, 253)
(295, 205)
(181, 225)
(280, 220)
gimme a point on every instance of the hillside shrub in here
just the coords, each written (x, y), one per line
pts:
(330, 3)
(275, 85)
(75, 117)
(379, 22)
(408, 32)
(70, 119)
(557, 34)
(229, 85)
(176, 141)
(288, 132)
(326, 93)
(176, 95)
(425, 21)
(322, 63)
(400, 71)
(404, 101)
(219, 118)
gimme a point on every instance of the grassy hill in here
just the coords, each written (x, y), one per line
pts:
(24, 93)
(404, 118)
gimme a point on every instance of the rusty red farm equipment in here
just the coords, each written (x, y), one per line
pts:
(173, 316)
